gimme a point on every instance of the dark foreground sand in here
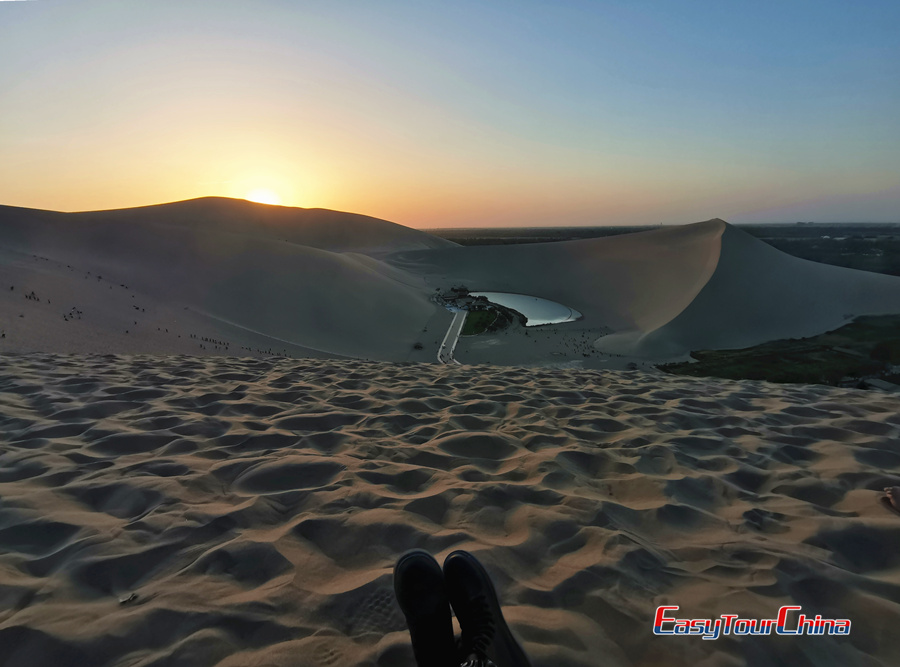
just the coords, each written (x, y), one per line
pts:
(255, 508)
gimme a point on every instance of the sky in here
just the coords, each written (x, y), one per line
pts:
(458, 114)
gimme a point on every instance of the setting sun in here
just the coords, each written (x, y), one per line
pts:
(263, 196)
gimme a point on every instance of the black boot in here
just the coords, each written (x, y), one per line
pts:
(486, 638)
(419, 588)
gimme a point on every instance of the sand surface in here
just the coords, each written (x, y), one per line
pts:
(187, 511)
(266, 281)
(205, 498)
(288, 286)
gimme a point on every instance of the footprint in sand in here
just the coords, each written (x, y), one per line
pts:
(326, 655)
(376, 614)
(892, 499)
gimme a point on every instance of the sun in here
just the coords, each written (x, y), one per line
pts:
(263, 196)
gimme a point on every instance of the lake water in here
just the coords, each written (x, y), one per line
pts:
(537, 311)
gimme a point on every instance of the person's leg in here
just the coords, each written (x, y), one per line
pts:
(419, 588)
(485, 633)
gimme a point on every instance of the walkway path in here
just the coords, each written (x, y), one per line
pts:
(445, 353)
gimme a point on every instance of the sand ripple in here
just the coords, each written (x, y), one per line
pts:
(256, 509)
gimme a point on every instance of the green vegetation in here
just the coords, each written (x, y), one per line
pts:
(492, 320)
(887, 351)
(865, 348)
(478, 321)
(876, 252)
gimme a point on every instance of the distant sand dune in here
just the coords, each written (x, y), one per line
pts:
(228, 260)
(187, 511)
(313, 283)
(758, 294)
(629, 281)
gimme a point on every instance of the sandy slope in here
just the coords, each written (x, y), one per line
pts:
(310, 289)
(314, 283)
(317, 228)
(630, 281)
(659, 294)
(758, 294)
(256, 507)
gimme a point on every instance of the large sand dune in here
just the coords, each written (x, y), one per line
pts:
(317, 228)
(257, 276)
(321, 283)
(757, 294)
(195, 512)
(662, 293)
(631, 281)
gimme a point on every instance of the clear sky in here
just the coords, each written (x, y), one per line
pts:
(462, 113)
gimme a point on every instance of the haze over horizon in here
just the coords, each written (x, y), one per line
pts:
(471, 114)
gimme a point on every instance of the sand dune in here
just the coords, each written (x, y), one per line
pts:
(262, 277)
(313, 283)
(630, 281)
(317, 228)
(758, 294)
(660, 294)
(185, 512)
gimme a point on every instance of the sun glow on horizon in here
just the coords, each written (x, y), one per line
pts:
(264, 196)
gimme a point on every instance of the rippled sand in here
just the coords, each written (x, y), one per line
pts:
(255, 508)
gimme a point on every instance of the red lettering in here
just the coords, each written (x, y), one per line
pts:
(782, 619)
(660, 618)
(728, 618)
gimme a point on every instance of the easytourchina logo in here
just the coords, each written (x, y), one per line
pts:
(787, 623)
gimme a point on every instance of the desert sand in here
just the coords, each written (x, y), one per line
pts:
(221, 424)
(312, 283)
(204, 511)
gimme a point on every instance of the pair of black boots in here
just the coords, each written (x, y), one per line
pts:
(425, 594)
